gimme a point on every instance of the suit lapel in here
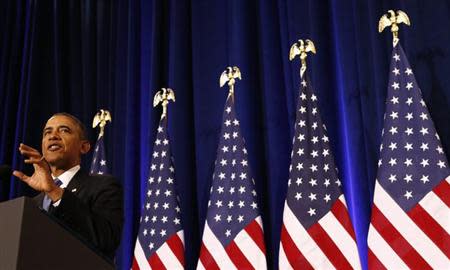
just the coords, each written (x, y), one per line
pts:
(77, 182)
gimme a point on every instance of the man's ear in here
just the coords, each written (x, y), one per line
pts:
(85, 147)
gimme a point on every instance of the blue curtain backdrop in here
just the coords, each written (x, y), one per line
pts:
(82, 55)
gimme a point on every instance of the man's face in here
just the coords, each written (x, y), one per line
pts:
(62, 145)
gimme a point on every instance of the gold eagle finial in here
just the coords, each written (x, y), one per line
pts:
(163, 96)
(230, 74)
(393, 20)
(100, 119)
(302, 48)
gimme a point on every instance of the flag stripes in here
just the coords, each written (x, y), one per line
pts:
(406, 238)
(233, 256)
(333, 240)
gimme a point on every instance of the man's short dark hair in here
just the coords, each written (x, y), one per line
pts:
(81, 126)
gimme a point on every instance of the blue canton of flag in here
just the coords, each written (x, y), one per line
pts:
(410, 214)
(317, 231)
(160, 242)
(98, 165)
(233, 235)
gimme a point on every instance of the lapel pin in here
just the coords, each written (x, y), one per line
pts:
(74, 190)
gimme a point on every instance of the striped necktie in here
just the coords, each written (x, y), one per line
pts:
(47, 201)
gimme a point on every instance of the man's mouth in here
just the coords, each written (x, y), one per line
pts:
(54, 147)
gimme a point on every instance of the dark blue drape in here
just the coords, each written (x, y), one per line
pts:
(80, 56)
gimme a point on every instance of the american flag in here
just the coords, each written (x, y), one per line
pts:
(410, 221)
(160, 242)
(317, 232)
(98, 164)
(233, 235)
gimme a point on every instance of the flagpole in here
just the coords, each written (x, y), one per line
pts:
(393, 20)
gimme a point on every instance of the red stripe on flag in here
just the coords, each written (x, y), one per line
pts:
(155, 262)
(396, 241)
(207, 260)
(237, 257)
(135, 265)
(431, 228)
(374, 263)
(328, 247)
(177, 247)
(256, 233)
(294, 256)
(340, 212)
(443, 192)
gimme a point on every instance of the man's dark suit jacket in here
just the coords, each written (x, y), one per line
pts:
(92, 207)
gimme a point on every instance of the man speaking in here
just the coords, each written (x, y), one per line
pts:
(92, 206)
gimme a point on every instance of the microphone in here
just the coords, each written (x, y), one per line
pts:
(5, 172)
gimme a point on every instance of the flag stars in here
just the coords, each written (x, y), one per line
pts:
(394, 115)
(315, 153)
(425, 179)
(241, 189)
(298, 196)
(424, 162)
(312, 211)
(396, 85)
(408, 162)
(299, 181)
(313, 97)
(163, 233)
(396, 57)
(217, 218)
(439, 150)
(312, 196)
(301, 137)
(313, 168)
(160, 129)
(441, 164)
(303, 96)
(424, 131)
(314, 111)
(393, 162)
(394, 100)
(326, 183)
(302, 109)
(240, 218)
(408, 146)
(315, 139)
(254, 205)
(409, 116)
(241, 204)
(424, 146)
(409, 86)
(393, 146)
(408, 195)
(393, 130)
(313, 182)
(338, 182)
(409, 101)
(325, 152)
(302, 123)
(408, 178)
(303, 83)
(219, 203)
(228, 109)
(396, 71)
(408, 71)
(424, 116)
(229, 218)
(243, 176)
(228, 233)
(392, 178)
(327, 198)
(409, 131)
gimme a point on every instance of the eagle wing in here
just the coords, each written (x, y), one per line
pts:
(310, 46)
(383, 23)
(171, 95)
(157, 99)
(224, 77)
(96, 120)
(402, 18)
(295, 50)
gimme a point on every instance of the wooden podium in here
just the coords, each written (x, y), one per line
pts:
(30, 239)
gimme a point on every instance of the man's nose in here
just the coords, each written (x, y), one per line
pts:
(54, 135)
